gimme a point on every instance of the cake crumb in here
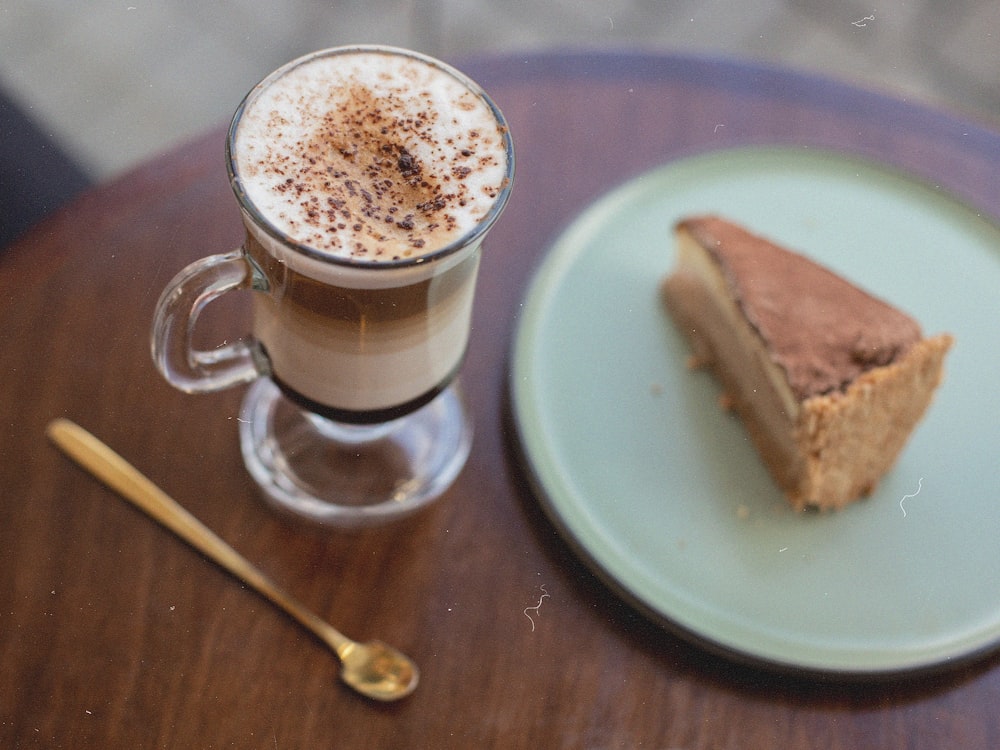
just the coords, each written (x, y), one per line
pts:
(694, 362)
(742, 512)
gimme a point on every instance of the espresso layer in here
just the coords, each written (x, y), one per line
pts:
(819, 328)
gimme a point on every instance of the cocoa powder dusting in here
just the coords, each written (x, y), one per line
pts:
(355, 154)
(819, 328)
(377, 164)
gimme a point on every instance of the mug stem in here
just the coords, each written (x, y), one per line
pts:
(352, 476)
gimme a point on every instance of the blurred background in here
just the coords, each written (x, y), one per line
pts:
(113, 82)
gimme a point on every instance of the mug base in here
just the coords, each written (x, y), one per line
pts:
(348, 475)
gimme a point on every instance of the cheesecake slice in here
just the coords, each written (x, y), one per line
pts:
(828, 380)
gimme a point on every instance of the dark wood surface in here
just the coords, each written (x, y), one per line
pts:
(115, 634)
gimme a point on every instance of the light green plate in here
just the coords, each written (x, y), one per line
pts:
(662, 493)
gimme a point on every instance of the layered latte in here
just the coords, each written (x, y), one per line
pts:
(367, 178)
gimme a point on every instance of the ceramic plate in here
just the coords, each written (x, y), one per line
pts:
(662, 493)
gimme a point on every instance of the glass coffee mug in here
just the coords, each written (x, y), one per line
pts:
(367, 178)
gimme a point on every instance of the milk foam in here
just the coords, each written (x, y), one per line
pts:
(370, 156)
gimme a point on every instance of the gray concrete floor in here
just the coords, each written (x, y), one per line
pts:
(117, 81)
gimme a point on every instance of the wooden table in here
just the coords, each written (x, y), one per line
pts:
(115, 634)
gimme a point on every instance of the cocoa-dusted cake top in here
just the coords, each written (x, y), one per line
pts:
(821, 329)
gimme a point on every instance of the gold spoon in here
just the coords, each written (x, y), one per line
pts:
(373, 669)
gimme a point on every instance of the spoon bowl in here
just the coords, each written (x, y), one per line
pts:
(373, 669)
(377, 670)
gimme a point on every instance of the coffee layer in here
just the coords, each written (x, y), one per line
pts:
(360, 350)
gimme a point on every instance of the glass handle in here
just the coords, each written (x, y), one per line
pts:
(185, 367)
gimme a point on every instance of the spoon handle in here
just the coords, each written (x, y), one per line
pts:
(131, 484)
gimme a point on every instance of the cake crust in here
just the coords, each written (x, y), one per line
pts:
(828, 379)
(851, 439)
